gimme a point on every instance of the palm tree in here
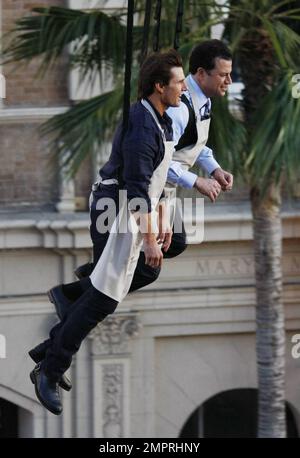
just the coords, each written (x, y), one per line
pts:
(262, 146)
(267, 50)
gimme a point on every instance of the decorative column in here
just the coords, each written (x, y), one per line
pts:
(66, 203)
(2, 78)
(111, 350)
(2, 88)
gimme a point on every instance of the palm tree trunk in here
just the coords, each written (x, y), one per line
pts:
(270, 341)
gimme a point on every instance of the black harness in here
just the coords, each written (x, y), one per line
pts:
(190, 135)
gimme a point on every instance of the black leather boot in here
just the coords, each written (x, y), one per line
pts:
(84, 271)
(38, 353)
(59, 300)
(46, 390)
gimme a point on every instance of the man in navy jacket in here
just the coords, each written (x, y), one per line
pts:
(137, 164)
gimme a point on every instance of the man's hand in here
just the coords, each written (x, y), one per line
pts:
(225, 179)
(165, 237)
(208, 187)
(165, 232)
(152, 251)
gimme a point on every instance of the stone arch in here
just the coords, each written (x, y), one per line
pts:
(231, 413)
(30, 415)
(192, 369)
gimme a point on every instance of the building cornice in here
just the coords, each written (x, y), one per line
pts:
(29, 115)
(71, 231)
(177, 312)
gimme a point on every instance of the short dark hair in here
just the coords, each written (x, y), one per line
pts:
(157, 69)
(204, 55)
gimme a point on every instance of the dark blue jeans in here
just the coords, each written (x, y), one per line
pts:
(67, 336)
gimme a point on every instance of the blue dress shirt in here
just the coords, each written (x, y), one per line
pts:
(180, 118)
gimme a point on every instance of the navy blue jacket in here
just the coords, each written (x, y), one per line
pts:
(141, 152)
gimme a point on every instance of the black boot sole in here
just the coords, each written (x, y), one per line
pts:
(34, 357)
(52, 300)
(33, 380)
(78, 274)
(81, 273)
(64, 386)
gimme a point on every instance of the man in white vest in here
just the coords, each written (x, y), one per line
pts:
(210, 67)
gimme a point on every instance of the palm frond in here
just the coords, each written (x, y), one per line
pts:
(280, 5)
(96, 37)
(275, 147)
(290, 43)
(227, 137)
(80, 131)
(85, 127)
(275, 41)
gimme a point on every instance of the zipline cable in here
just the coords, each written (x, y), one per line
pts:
(178, 27)
(157, 16)
(128, 63)
(146, 30)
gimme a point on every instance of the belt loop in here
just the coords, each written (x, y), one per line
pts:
(104, 182)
